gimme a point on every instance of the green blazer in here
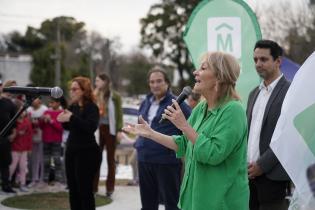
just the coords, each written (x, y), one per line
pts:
(215, 166)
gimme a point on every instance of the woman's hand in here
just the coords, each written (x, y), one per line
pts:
(64, 116)
(176, 116)
(141, 129)
(144, 129)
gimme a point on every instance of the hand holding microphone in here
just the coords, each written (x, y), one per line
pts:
(174, 113)
(180, 99)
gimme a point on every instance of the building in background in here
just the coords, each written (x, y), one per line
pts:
(17, 67)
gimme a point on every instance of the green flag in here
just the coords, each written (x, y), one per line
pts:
(229, 26)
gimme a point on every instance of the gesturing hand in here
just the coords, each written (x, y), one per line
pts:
(64, 116)
(141, 129)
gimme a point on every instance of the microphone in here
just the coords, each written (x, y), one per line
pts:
(182, 96)
(310, 173)
(55, 92)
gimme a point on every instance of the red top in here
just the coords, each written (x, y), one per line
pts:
(52, 129)
(23, 139)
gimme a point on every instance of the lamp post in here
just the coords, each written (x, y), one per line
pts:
(57, 57)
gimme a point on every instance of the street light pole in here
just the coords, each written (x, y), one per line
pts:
(57, 61)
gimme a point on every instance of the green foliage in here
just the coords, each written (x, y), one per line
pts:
(134, 70)
(68, 27)
(43, 66)
(42, 43)
(28, 43)
(162, 30)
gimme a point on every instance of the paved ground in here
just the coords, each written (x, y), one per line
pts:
(125, 197)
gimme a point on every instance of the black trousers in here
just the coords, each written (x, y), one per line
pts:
(5, 161)
(159, 182)
(81, 168)
(53, 151)
(266, 194)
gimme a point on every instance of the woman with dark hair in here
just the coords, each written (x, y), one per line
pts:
(111, 122)
(83, 155)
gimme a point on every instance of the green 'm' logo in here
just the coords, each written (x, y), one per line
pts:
(229, 26)
(305, 124)
(227, 44)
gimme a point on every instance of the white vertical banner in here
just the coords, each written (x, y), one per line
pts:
(293, 141)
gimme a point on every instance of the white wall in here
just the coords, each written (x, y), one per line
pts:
(16, 68)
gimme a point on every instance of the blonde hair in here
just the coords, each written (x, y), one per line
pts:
(227, 71)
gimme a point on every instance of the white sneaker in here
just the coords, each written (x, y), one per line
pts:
(32, 184)
(23, 189)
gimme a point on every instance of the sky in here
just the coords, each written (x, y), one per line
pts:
(111, 18)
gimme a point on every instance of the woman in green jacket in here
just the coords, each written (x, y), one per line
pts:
(214, 139)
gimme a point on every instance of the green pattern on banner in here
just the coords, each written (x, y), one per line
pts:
(305, 124)
(229, 26)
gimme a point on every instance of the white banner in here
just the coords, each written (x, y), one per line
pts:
(293, 141)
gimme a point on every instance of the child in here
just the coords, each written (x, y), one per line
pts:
(21, 145)
(52, 139)
(36, 111)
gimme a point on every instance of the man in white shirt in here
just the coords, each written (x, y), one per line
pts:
(267, 179)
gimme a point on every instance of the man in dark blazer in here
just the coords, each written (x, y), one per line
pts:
(268, 180)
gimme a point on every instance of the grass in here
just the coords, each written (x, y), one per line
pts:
(53, 201)
(47, 201)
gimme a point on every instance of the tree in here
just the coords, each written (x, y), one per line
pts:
(79, 53)
(28, 43)
(102, 56)
(301, 43)
(134, 69)
(43, 73)
(291, 25)
(42, 43)
(162, 30)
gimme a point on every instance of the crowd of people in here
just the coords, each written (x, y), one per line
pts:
(35, 144)
(228, 161)
(208, 153)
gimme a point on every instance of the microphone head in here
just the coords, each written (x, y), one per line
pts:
(187, 90)
(183, 95)
(56, 92)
